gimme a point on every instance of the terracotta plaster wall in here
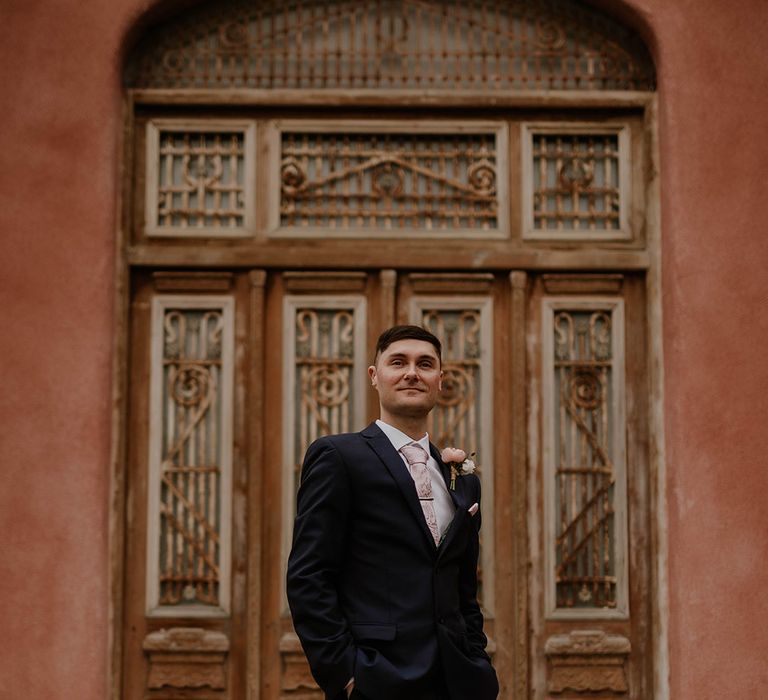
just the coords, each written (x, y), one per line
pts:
(714, 149)
(59, 66)
(60, 121)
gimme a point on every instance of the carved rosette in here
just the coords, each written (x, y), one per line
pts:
(186, 657)
(587, 662)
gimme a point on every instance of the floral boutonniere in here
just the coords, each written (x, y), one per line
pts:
(460, 464)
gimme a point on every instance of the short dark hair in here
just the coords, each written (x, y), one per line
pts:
(392, 335)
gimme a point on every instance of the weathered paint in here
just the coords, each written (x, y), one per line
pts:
(59, 69)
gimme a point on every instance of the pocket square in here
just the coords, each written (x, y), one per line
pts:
(473, 509)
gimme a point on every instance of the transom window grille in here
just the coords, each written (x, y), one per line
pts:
(324, 376)
(200, 179)
(190, 456)
(412, 179)
(373, 44)
(585, 458)
(577, 182)
(463, 416)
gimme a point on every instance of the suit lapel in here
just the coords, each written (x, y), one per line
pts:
(383, 448)
(459, 498)
(445, 470)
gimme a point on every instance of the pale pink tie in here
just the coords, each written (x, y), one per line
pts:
(417, 461)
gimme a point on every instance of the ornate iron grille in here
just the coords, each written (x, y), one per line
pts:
(191, 458)
(585, 539)
(486, 44)
(389, 181)
(325, 347)
(200, 181)
(576, 182)
(455, 420)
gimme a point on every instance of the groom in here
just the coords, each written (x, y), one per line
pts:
(382, 575)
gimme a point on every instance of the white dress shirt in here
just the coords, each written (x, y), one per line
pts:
(444, 508)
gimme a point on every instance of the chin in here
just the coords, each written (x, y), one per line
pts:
(419, 406)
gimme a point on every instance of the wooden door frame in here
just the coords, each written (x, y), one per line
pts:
(519, 260)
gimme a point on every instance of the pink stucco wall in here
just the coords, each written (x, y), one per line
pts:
(714, 147)
(59, 67)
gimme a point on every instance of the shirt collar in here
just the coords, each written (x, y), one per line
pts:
(399, 439)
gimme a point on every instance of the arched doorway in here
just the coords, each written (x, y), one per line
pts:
(301, 175)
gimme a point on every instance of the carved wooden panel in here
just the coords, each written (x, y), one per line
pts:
(296, 682)
(589, 663)
(374, 44)
(576, 182)
(186, 658)
(190, 455)
(584, 457)
(391, 178)
(200, 178)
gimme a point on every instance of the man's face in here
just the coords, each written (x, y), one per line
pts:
(407, 377)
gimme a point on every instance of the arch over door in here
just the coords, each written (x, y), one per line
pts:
(488, 45)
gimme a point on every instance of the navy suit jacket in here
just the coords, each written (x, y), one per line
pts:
(370, 594)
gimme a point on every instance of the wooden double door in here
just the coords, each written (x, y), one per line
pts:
(234, 372)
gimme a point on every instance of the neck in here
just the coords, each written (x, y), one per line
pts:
(414, 427)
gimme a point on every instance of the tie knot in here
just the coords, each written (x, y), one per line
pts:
(414, 454)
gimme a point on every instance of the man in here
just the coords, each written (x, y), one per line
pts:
(382, 576)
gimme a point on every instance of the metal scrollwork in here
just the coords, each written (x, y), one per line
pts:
(189, 536)
(327, 385)
(190, 386)
(292, 175)
(375, 44)
(576, 182)
(388, 180)
(575, 172)
(482, 176)
(458, 386)
(550, 34)
(455, 419)
(200, 180)
(585, 389)
(585, 540)
(324, 359)
(234, 34)
(420, 181)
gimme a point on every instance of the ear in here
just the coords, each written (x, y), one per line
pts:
(440, 382)
(372, 375)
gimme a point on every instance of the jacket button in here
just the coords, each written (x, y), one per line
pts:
(441, 620)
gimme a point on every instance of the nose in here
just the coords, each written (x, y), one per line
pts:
(411, 371)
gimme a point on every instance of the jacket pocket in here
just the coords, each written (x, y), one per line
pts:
(384, 631)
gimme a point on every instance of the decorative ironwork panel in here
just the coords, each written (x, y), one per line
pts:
(417, 44)
(428, 182)
(462, 416)
(190, 460)
(324, 389)
(324, 376)
(576, 182)
(199, 180)
(587, 459)
(456, 417)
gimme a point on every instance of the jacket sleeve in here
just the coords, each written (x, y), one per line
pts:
(314, 563)
(470, 608)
